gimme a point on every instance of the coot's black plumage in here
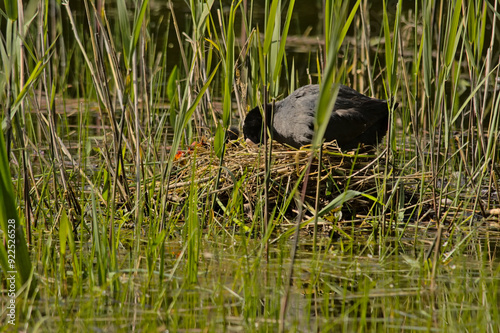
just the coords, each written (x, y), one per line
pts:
(355, 119)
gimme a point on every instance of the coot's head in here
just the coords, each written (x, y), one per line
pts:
(253, 126)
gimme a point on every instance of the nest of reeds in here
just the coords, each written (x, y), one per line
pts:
(242, 176)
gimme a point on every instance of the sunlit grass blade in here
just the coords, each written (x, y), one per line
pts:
(347, 25)
(136, 31)
(344, 197)
(124, 31)
(11, 9)
(391, 47)
(34, 76)
(270, 26)
(200, 12)
(193, 229)
(329, 88)
(284, 35)
(228, 81)
(454, 33)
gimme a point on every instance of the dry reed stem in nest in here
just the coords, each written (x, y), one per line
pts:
(339, 171)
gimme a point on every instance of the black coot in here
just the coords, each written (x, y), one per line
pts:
(356, 119)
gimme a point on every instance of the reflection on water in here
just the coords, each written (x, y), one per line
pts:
(336, 289)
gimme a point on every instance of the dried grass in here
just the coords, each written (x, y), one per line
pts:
(246, 164)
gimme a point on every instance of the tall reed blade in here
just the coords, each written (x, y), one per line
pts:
(193, 229)
(14, 256)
